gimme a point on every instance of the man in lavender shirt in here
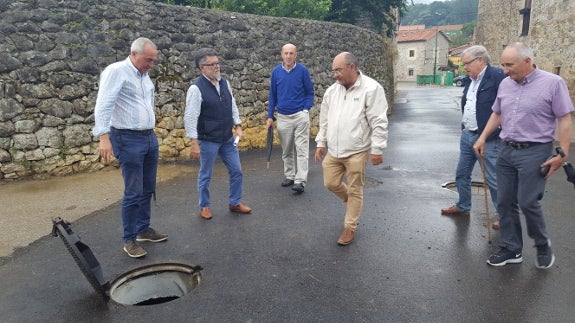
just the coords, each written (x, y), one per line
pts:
(531, 105)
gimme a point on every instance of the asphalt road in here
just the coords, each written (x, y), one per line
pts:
(282, 263)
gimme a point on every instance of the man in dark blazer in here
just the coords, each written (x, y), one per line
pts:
(478, 96)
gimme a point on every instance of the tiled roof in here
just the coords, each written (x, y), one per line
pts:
(450, 27)
(404, 36)
(412, 27)
(456, 51)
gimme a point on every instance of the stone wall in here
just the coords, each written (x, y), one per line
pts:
(51, 54)
(551, 33)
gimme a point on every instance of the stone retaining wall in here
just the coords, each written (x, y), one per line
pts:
(51, 54)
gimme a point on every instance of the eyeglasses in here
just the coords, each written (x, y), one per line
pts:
(339, 69)
(471, 61)
(213, 64)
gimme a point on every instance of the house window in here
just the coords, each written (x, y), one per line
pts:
(411, 53)
(410, 72)
(526, 12)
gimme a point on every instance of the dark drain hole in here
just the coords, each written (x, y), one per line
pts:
(155, 284)
(476, 187)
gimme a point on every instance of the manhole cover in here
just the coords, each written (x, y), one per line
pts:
(476, 187)
(146, 285)
(155, 284)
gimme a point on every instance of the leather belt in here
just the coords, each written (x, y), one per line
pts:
(522, 145)
(146, 132)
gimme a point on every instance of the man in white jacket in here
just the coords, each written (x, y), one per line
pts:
(353, 127)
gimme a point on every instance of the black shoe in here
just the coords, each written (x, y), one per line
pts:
(287, 182)
(545, 257)
(298, 188)
(504, 257)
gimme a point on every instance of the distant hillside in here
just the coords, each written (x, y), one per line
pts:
(439, 13)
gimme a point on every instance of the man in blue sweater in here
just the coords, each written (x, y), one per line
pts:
(292, 93)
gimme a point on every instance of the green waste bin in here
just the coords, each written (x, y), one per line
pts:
(449, 78)
(424, 79)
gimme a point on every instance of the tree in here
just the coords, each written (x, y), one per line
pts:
(379, 12)
(438, 13)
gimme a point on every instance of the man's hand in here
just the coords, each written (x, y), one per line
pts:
(554, 164)
(319, 153)
(376, 159)
(105, 147)
(195, 149)
(479, 146)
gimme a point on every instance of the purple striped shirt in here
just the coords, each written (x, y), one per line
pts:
(529, 110)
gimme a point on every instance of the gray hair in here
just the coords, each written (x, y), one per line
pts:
(523, 50)
(349, 58)
(139, 44)
(476, 51)
(201, 55)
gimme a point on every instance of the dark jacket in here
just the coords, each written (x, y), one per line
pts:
(216, 118)
(486, 94)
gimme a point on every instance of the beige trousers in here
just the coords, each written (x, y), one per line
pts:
(351, 191)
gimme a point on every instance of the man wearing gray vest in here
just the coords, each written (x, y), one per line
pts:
(211, 114)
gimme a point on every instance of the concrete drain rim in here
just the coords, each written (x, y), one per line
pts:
(155, 284)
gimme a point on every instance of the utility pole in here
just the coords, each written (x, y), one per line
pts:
(435, 54)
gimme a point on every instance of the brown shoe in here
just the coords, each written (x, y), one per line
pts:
(206, 213)
(453, 210)
(240, 208)
(346, 237)
(134, 250)
(495, 225)
(152, 236)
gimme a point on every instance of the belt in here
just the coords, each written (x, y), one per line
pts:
(475, 132)
(146, 132)
(522, 145)
(291, 114)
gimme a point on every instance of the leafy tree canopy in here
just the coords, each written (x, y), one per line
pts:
(453, 12)
(378, 12)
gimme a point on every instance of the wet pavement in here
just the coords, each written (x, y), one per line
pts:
(282, 263)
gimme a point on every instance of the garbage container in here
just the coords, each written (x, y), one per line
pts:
(449, 79)
(424, 79)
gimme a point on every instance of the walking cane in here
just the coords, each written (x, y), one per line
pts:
(485, 195)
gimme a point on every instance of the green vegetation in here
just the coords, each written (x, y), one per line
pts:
(345, 11)
(453, 12)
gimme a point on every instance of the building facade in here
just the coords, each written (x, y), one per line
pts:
(420, 52)
(546, 26)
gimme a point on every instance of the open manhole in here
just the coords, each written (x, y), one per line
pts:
(146, 285)
(476, 187)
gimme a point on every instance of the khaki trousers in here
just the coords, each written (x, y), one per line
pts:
(351, 191)
(293, 131)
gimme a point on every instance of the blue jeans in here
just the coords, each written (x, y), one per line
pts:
(230, 156)
(138, 157)
(467, 160)
(521, 186)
